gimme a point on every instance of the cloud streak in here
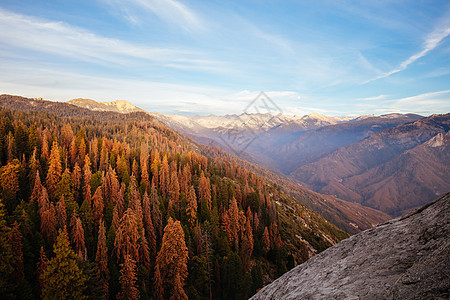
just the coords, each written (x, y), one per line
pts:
(432, 40)
(25, 32)
(171, 11)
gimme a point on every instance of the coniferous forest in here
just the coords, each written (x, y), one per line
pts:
(103, 205)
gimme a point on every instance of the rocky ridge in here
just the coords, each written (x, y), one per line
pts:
(405, 258)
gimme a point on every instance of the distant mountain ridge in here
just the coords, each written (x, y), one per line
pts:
(393, 170)
(120, 106)
(351, 217)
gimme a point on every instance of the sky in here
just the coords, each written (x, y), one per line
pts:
(333, 57)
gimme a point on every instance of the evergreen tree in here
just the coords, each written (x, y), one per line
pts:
(127, 236)
(172, 259)
(54, 171)
(63, 279)
(191, 208)
(128, 280)
(102, 259)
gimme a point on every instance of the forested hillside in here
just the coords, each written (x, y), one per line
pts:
(107, 205)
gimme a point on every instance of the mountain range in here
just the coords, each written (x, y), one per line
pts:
(390, 162)
(351, 217)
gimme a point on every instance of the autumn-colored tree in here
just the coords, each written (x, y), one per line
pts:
(164, 177)
(97, 206)
(78, 238)
(49, 222)
(73, 152)
(135, 199)
(102, 259)
(145, 178)
(111, 187)
(148, 223)
(127, 236)
(144, 253)
(41, 267)
(174, 193)
(191, 206)
(76, 180)
(37, 189)
(54, 171)
(61, 213)
(156, 212)
(247, 246)
(204, 189)
(155, 166)
(45, 152)
(230, 221)
(158, 288)
(87, 176)
(128, 280)
(81, 147)
(9, 182)
(178, 290)
(63, 279)
(172, 259)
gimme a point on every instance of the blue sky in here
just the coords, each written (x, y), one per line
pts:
(333, 57)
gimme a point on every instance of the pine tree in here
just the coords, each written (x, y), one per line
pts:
(172, 258)
(145, 179)
(230, 221)
(54, 171)
(7, 259)
(247, 245)
(135, 199)
(78, 238)
(41, 267)
(127, 236)
(148, 224)
(156, 212)
(87, 176)
(9, 182)
(98, 206)
(102, 259)
(128, 280)
(37, 189)
(61, 212)
(191, 208)
(158, 284)
(174, 191)
(15, 240)
(49, 223)
(63, 279)
(156, 164)
(164, 177)
(205, 190)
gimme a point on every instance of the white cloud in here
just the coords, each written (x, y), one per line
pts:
(425, 104)
(432, 40)
(373, 98)
(170, 11)
(25, 32)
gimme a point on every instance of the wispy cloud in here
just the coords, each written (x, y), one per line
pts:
(373, 98)
(425, 104)
(432, 40)
(171, 11)
(25, 32)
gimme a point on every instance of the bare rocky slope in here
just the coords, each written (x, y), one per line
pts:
(405, 258)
